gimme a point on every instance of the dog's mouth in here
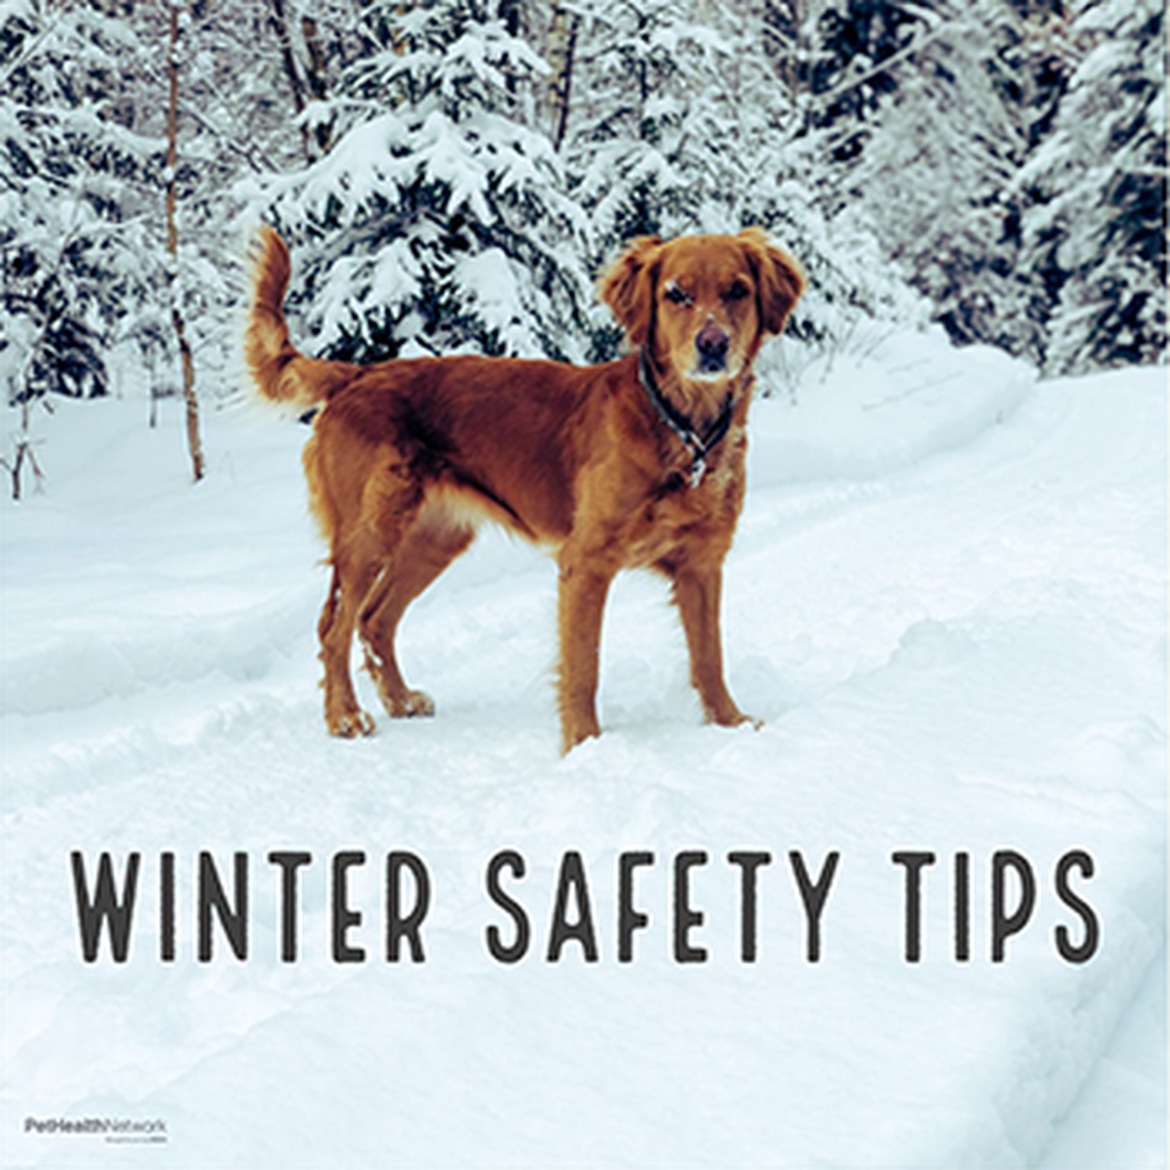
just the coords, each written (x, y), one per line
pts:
(711, 372)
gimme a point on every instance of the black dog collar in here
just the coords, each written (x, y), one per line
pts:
(699, 446)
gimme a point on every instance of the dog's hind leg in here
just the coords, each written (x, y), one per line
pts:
(363, 554)
(351, 580)
(424, 552)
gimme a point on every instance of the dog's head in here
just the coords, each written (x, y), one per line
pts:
(702, 304)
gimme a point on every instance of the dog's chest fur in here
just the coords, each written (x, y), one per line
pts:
(668, 514)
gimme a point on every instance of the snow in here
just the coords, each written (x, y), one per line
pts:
(946, 602)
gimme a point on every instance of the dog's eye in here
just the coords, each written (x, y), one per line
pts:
(677, 295)
(736, 291)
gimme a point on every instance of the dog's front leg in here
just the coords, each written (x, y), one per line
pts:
(581, 602)
(697, 594)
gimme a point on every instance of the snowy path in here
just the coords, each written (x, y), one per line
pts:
(947, 602)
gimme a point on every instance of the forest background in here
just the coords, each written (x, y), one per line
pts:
(454, 174)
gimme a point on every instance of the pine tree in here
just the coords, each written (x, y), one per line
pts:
(858, 46)
(779, 180)
(928, 125)
(83, 178)
(236, 120)
(437, 222)
(1096, 224)
(651, 143)
(75, 168)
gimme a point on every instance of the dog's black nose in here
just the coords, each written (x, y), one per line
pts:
(712, 344)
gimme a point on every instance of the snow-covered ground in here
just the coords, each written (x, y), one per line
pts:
(947, 602)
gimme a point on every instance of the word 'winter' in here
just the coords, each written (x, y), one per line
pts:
(104, 909)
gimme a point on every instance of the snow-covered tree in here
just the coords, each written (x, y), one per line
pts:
(75, 207)
(779, 183)
(1096, 226)
(855, 47)
(237, 118)
(437, 222)
(928, 122)
(446, 188)
(84, 96)
(651, 143)
(685, 118)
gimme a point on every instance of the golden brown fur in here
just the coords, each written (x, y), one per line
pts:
(406, 457)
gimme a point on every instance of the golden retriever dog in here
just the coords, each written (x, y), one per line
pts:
(634, 462)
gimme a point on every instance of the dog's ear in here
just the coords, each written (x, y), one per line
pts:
(628, 287)
(779, 279)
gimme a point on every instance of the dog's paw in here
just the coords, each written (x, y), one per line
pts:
(409, 705)
(735, 718)
(350, 724)
(577, 731)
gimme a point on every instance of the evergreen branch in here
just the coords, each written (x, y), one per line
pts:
(820, 102)
(30, 50)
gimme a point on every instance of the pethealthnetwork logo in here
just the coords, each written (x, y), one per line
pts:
(115, 1130)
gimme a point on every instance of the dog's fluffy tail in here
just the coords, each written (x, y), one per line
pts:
(280, 373)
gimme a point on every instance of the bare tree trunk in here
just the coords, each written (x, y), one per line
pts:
(194, 444)
(315, 74)
(23, 449)
(562, 46)
(295, 81)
